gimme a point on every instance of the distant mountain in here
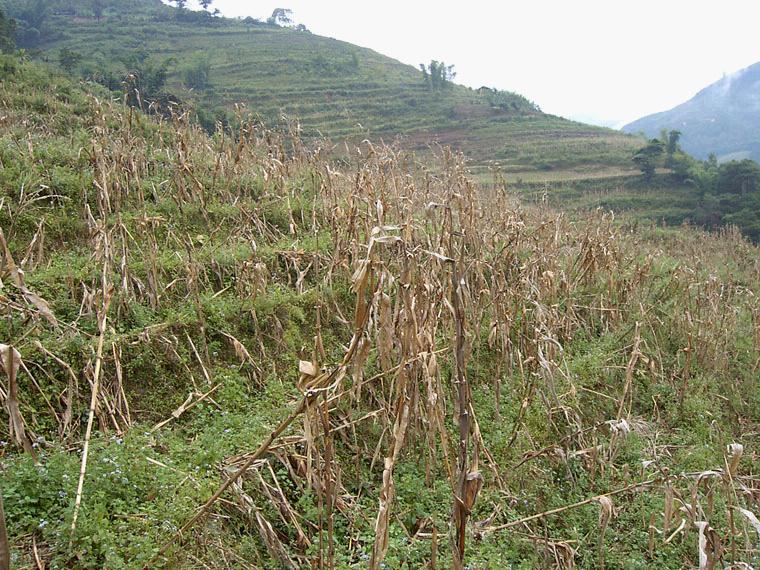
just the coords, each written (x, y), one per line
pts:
(723, 118)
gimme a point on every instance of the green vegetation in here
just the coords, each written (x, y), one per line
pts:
(674, 189)
(437, 75)
(196, 72)
(648, 157)
(603, 378)
(332, 88)
(7, 33)
(281, 17)
(69, 59)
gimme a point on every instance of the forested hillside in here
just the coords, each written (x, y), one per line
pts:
(723, 119)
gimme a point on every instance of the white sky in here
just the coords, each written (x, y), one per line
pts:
(601, 61)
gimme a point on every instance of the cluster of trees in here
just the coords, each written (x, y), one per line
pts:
(145, 78)
(7, 33)
(69, 59)
(33, 22)
(30, 18)
(664, 151)
(647, 158)
(727, 193)
(195, 72)
(140, 76)
(437, 75)
(98, 7)
(708, 176)
(283, 18)
(204, 16)
(507, 101)
(183, 13)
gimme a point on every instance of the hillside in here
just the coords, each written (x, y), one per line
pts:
(300, 346)
(331, 87)
(722, 119)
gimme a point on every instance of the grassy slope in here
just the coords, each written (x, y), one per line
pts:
(204, 238)
(661, 201)
(314, 79)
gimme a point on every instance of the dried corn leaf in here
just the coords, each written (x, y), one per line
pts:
(472, 486)
(40, 304)
(359, 278)
(387, 239)
(240, 351)
(620, 427)
(273, 543)
(735, 452)
(387, 494)
(606, 513)
(751, 518)
(388, 491)
(710, 547)
(8, 268)
(10, 362)
(441, 258)
(676, 532)
(307, 368)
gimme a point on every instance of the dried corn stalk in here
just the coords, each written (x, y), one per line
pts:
(10, 362)
(710, 546)
(273, 543)
(8, 268)
(5, 548)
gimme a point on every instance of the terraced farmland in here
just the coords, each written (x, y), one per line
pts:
(333, 88)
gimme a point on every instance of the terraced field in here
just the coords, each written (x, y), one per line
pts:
(334, 88)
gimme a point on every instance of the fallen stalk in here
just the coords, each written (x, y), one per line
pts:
(184, 408)
(588, 501)
(262, 449)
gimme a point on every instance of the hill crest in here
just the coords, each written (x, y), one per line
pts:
(334, 88)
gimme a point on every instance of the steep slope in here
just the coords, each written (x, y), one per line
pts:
(605, 371)
(332, 87)
(723, 118)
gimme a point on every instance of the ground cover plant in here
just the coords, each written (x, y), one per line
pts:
(234, 351)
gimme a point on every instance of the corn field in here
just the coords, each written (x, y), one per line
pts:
(458, 381)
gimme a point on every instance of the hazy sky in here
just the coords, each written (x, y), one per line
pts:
(602, 61)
